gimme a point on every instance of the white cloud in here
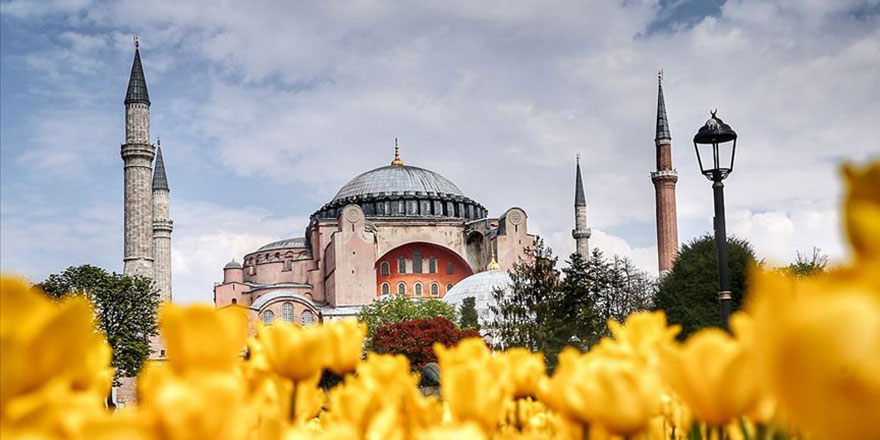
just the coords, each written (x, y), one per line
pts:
(498, 97)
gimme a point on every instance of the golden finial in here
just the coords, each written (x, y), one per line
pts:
(397, 161)
(493, 265)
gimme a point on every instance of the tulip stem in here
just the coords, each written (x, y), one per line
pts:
(293, 403)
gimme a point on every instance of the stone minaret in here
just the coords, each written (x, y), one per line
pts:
(664, 188)
(137, 154)
(162, 226)
(581, 232)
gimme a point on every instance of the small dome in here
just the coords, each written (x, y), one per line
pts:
(232, 265)
(397, 179)
(297, 242)
(481, 286)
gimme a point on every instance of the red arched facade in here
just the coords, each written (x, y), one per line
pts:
(416, 259)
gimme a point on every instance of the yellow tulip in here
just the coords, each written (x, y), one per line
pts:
(714, 373)
(346, 344)
(862, 213)
(474, 384)
(526, 370)
(187, 330)
(293, 351)
(55, 367)
(819, 351)
(640, 337)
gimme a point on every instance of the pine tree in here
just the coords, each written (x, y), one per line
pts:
(468, 314)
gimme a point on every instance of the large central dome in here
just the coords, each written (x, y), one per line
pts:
(398, 179)
(402, 191)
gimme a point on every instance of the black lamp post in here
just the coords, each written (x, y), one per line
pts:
(715, 145)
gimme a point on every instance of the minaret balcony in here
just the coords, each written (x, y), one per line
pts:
(578, 234)
(664, 175)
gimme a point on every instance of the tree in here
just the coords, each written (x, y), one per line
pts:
(415, 339)
(468, 314)
(618, 287)
(805, 266)
(400, 308)
(125, 309)
(689, 292)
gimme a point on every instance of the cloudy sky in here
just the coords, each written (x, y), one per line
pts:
(265, 108)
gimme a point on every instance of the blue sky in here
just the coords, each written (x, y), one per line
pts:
(266, 108)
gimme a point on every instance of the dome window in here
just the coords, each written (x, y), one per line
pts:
(287, 312)
(307, 317)
(268, 317)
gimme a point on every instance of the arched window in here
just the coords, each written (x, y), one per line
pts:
(268, 317)
(385, 269)
(307, 317)
(401, 265)
(234, 301)
(448, 287)
(449, 267)
(418, 289)
(417, 261)
(432, 265)
(386, 289)
(401, 288)
(435, 289)
(287, 312)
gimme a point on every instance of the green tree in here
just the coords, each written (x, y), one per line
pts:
(617, 288)
(125, 309)
(804, 266)
(533, 313)
(579, 303)
(689, 292)
(468, 314)
(400, 308)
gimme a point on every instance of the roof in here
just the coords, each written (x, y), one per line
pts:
(232, 265)
(662, 122)
(296, 242)
(137, 84)
(398, 179)
(579, 198)
(160, 181)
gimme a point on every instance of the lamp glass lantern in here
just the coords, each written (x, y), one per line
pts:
(715, 144)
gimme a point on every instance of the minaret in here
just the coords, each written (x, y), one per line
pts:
(581, 232)
(162, 226)
(664, 187)
(137, 154)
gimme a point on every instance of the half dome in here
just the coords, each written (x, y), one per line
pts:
(481, 286)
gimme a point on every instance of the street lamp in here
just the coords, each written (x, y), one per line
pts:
(715, 145)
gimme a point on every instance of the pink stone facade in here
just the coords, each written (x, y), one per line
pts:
(337, 269)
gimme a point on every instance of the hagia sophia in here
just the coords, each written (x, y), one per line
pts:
(397, 229)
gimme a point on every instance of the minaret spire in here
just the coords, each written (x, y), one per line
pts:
(160, 180)
(581, 233)
(664, 179)
(137, 84)
(662, 122)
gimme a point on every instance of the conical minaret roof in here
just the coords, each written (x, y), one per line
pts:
(160, 181)
(579, 198)
(662, 122)
(137, 84)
